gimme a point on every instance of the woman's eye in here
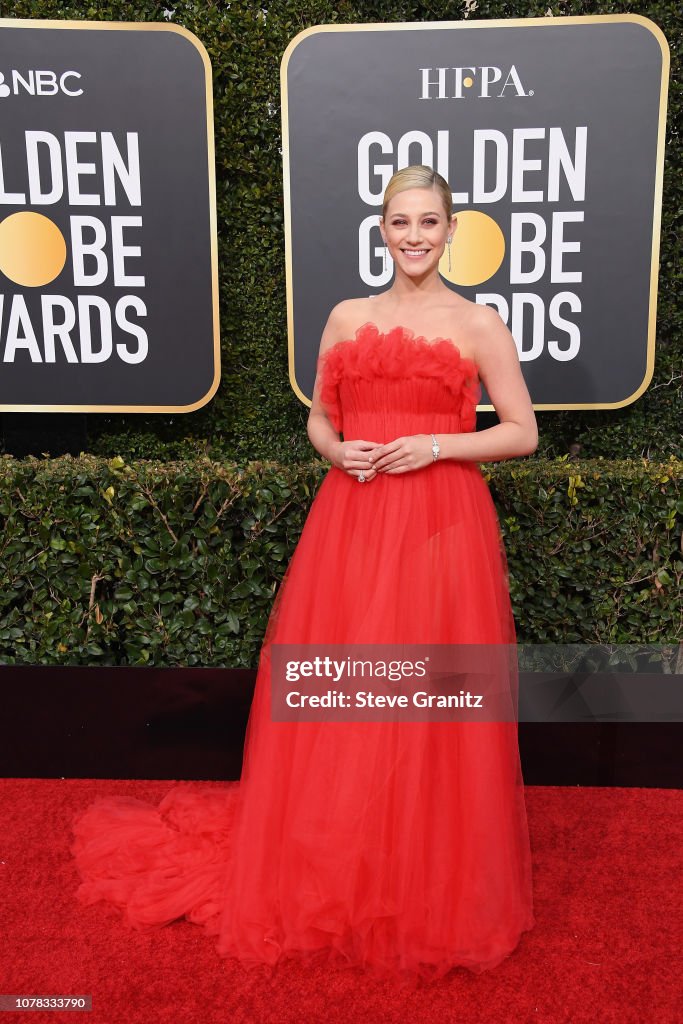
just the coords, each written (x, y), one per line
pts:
(397, 223)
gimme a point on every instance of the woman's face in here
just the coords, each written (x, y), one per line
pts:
(416, 230)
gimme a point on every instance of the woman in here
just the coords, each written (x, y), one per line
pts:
(400, 846)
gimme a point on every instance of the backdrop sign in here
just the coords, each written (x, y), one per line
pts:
(550, 132)
(108, 254)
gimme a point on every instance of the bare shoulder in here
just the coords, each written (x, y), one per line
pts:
(484, 318)
(343, 321)
(495, 353)
(487, 331)
(348, 310)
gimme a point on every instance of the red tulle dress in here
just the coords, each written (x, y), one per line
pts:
(400, 847)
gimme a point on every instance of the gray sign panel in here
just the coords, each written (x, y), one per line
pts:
(550, 132)
(108, 255)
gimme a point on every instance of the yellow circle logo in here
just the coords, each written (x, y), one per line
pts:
(32, 249)
(477, 249)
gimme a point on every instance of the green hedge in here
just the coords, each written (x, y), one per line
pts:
(177, 564)
(255, 414)
(116, 560)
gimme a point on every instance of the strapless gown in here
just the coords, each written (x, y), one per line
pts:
(400, 847)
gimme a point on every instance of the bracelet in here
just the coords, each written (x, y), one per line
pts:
(435, 448)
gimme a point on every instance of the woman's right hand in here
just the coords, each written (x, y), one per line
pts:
(352, 458)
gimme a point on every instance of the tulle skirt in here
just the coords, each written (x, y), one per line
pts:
(399, 847)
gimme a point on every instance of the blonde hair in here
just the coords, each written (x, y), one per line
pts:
(419, 176)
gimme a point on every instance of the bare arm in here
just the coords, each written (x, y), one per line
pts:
(321, 433)
(498, 362)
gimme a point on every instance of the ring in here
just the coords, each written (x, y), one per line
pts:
(361, 477)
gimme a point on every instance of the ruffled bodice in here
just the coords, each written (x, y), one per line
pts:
(380, 385)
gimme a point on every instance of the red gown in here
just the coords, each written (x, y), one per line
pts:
(397, 846)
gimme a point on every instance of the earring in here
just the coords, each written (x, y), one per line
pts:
(449, 252)
(385, 255)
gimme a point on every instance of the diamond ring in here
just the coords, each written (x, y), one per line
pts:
(361, 477)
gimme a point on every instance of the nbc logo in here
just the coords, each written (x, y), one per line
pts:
(38, 83)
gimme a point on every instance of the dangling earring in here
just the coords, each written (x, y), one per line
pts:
(385, 255)
(449, 252)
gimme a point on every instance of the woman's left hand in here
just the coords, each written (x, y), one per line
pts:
(403, 455)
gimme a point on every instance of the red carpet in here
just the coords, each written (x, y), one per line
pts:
(606, 947)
